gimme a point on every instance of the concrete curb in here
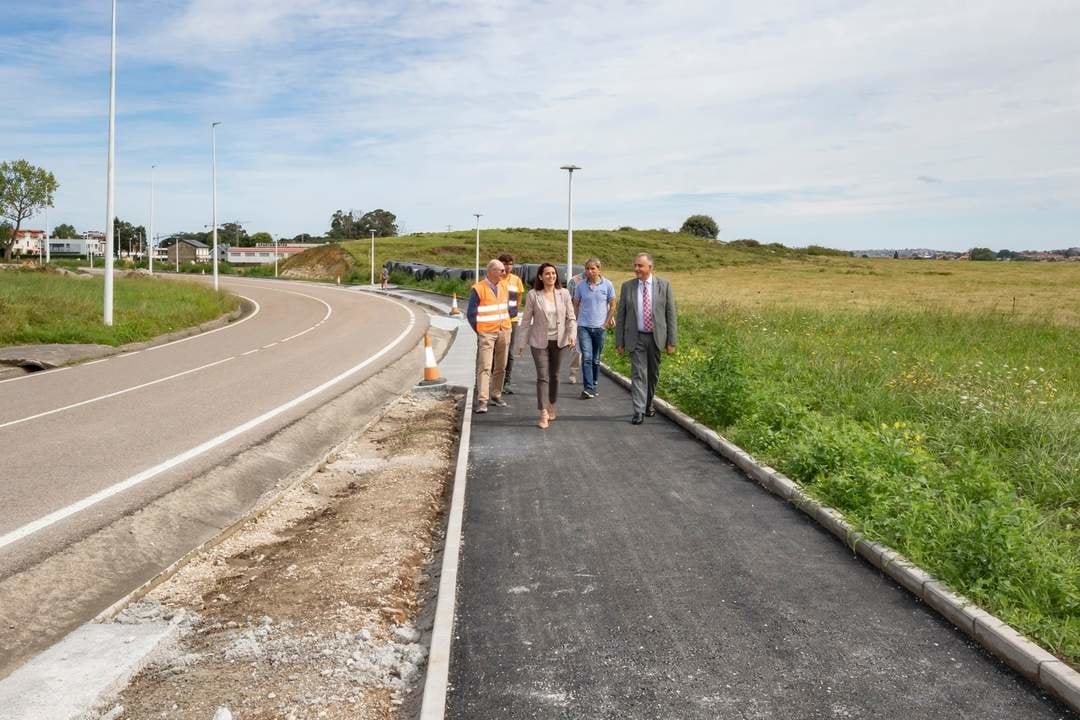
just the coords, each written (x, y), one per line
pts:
(433, 701)
(1001, 640)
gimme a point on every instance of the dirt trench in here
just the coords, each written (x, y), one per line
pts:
(312, 609)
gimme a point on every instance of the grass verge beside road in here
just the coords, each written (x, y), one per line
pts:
(43, 307)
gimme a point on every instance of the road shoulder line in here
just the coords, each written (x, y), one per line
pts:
(433, 703)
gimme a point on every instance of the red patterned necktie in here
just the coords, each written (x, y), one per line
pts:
(646, 307)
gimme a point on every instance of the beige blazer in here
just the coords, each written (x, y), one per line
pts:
(534, 328)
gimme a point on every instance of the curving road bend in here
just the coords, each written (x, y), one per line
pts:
(82, 446)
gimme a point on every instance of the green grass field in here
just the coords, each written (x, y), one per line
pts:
(39, 307)
(935, 403)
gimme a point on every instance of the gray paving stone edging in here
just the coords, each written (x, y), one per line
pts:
(1013, 648)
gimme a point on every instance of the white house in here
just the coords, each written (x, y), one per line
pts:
(28, 242)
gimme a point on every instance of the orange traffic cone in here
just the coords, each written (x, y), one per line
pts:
(431, 369)
(454, 308)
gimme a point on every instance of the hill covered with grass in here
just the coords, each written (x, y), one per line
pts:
(616, 248)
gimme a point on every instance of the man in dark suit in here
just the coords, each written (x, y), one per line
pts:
(645, 324)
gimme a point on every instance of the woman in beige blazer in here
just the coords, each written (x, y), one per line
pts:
(548, 325)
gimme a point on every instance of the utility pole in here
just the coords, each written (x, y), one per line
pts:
(151, 243)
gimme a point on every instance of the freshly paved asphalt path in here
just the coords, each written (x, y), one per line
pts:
(66, 435)
(614, 571)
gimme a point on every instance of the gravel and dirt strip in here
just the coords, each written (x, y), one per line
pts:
(313, 609)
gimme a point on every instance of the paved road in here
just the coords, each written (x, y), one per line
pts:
(83, 446)
(614, 571)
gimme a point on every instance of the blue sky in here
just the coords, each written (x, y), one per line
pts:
(851, 124)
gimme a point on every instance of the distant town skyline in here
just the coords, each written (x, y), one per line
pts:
(851, 125)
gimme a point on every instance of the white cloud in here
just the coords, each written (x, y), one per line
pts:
(436, 110)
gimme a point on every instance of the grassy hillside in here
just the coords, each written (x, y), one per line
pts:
(615, 247)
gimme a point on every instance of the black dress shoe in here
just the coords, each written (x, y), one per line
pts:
(637, 419)
(650, 411)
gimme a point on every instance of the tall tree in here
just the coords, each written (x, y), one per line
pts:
(25, 190)
(261, 237)
(128, 237)
(234, 234)
(344, 226)
(63, 231)
(383, 222)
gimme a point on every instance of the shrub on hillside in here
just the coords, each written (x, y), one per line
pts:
(701, 226)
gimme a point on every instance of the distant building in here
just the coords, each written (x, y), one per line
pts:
(264, 253)
(189, 251)
(80, 247)
(28, 242)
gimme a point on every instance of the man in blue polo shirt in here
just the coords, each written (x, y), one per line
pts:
(594, 305)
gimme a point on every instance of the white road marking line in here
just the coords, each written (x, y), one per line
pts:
(28, 418)
(269, 346)
(90, 501)
(258, 308)
(39, 373)
(127, 354)
(95, 362)
(250, 352)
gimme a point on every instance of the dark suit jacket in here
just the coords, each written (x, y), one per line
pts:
(665, 326)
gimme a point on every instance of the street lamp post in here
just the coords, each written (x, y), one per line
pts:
(372, 258)
(476, 270)
(48, 257)
(151, 242)
(570, 222)
(275, 255)
(111, 175)
(213, 161)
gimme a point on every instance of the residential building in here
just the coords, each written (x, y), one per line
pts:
(28, 242)
(189, 250)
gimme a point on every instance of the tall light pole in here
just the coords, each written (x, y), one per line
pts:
(372, 258)
(476, 271)
(570, 222)
(110, 173)
(48, 257)
(213, 162)
(151, 243)
(275, 255)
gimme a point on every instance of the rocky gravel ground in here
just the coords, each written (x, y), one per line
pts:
(313, 609)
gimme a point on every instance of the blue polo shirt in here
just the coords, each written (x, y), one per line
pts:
(594, 301)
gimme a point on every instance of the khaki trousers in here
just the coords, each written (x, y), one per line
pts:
(492, 349)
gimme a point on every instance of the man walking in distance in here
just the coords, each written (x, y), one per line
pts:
(645, 323)
(489, 316)
(594, 306)
(517, 295)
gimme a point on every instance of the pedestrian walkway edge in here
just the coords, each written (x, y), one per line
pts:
(433, 702)
(1000, 639)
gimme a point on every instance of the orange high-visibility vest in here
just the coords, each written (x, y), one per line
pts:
(493, 310)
